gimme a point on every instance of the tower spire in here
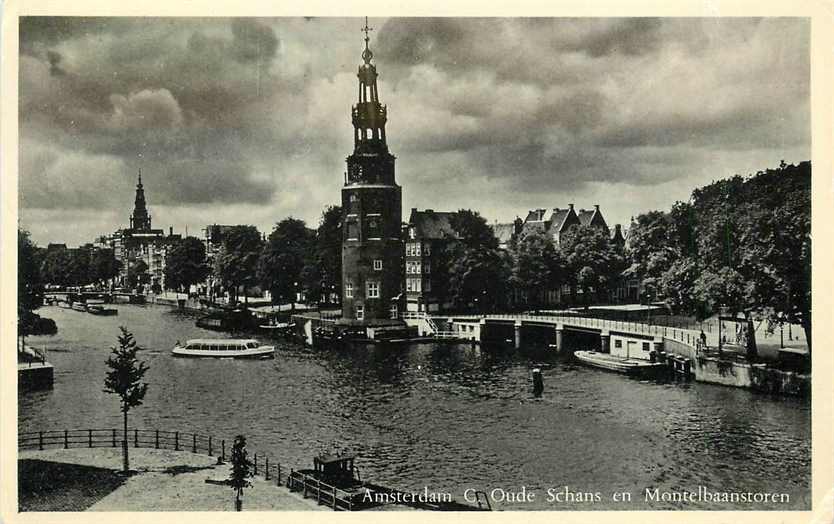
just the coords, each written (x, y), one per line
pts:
(367, 55)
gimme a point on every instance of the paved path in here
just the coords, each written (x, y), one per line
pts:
(168, 481)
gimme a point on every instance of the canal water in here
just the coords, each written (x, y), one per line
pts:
(445, 417)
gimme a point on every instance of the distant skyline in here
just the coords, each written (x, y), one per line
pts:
(247, 121)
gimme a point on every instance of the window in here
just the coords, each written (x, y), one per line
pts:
(360, 312)
(349, 290)
(427, 249)
(373, 289)
(352, 231)
(427, 267)
(618, 343)
(645, 346)
(417, 249)
(427, 285)
(418, 267)
(412, 285)
(378, 265)
(395, 314)
(412, 233)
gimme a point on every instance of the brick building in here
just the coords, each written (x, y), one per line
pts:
(428, 232)
(371, 213)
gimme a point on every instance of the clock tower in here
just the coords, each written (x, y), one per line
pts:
(372, 251)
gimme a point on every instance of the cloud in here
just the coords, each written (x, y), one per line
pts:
(148, 108)
(254, 113)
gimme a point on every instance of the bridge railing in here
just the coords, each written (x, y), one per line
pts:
(686, 336)
(144, 438)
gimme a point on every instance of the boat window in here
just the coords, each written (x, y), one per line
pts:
(252, 345)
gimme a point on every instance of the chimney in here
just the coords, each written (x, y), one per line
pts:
(413, 210)
(170, 231)
(570, 206)
(618, 229)
(596, 206)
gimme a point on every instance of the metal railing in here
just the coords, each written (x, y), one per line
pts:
(143, 438)
(325, 494)
(686, 336)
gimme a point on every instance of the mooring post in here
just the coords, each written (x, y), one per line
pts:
(209, 450)
(266, 469)
(40, 440)
(135, 438)
(66, 439)
(256, 463)
(223, 450)
(90, 437)
(194, 443)
(517, 330)
(156, 439)
(114, 438)
(176, 441)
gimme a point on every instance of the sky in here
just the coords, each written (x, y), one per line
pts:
(247, 121)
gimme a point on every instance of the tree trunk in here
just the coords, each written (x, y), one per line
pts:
(238, 502)
(126, 462)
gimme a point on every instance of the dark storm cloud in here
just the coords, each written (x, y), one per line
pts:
(254, 114)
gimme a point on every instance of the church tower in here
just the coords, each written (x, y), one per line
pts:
(140, 219)
(372, 253)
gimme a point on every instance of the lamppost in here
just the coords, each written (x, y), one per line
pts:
(721, 312)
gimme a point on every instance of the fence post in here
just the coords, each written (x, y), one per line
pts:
(318, 491)
(223, 450)
(156, 439)
(266, 469)
(66, 439)
(90, 437)
(40, 440)
(135, 438)
(114, 438)
(209, 446)
(194, 443)
(256, 463)
(176, 441)
(334, 498)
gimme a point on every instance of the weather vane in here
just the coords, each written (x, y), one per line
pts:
(366, 54)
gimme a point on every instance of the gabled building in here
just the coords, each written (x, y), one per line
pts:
(428, 234)
(141, 242)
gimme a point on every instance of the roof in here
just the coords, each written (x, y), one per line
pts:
(558, 217)
(585, 216)
(432, 224)
(503, 232)
(535, 215)
(219, 340)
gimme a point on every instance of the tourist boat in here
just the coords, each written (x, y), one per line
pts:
(96, 309)
(224, 348)
(628, 366)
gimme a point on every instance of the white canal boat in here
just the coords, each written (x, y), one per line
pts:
(223, 348)
(628, 366)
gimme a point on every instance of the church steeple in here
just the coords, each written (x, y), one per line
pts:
(369, 116)
(140, 219)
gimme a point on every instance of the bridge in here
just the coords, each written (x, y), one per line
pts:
(624, 334)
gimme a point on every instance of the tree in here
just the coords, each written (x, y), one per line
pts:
(29, 284)
(185, 264)
(477, 270)
(137, 273)
(283, 258)
(322, 273)
(241, 470)
(236, 263)
(54, 268)
(103, 265)
(535, 266)
(593, 262)
(124, 379)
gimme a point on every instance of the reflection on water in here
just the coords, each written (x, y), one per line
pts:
(449, 417)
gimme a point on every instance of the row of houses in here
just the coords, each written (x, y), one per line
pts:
(429, 231)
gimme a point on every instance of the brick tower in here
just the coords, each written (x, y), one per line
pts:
(372, 250)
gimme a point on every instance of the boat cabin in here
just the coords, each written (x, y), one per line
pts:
(222, 345)
(334, 469)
